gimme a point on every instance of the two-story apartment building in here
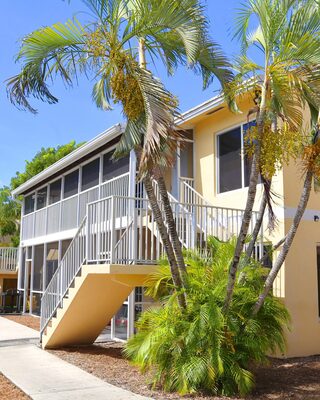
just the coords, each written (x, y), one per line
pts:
(88, 238)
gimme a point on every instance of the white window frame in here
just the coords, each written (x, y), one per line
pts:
(242, 158)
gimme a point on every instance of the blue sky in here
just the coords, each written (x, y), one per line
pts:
(75, 116)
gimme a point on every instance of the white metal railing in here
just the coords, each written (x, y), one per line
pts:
(122, 230)
(68, 213)
(66, 272)
(9, 258)
(221, 222)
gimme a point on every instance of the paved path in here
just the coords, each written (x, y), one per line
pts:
(10, 330)
(43, 376)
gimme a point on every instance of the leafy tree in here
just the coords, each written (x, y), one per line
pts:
(201, 348)
(10, 211)
(287, 34)
(115, 48)
(42, 160)
(10, 208)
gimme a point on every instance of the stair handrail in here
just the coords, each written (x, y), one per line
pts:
(61, 280)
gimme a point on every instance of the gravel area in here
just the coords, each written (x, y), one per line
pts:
(27, 320)
(8, 391)
(296, 379)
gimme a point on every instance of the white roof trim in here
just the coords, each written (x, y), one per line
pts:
(80, 152)
(104, 138)
(200, 109)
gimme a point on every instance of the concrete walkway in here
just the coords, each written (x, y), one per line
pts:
(44, 376)
(10, 330)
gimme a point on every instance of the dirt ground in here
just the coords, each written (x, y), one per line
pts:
(294, 379)
(10, 392)
(27, 320)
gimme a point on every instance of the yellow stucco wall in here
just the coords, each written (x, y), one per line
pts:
(297, 280)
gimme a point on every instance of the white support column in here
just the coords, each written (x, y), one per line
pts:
(100, 175)
(47, 204)
(79, 191)
(31, 279)
(132, 174)
(61, 198)
(44, 266)
(131, 308)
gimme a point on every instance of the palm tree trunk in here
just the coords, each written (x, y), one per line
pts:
(165, 239)
(252, 190)
(172, 227)
(257, 226)
(287, 243)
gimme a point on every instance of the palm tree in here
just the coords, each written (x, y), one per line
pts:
(287, 36)
(113, 49)
(311, 160)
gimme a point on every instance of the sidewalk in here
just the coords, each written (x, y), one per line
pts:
(10, 330)
(44, 376)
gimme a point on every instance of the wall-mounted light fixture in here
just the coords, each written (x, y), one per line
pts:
(316, 218)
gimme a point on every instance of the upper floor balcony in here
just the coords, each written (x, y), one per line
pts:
(58, 206)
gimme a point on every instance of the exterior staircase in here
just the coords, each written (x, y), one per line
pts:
(114, 250)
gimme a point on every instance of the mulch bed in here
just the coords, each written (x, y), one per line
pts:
(8, 391)
(27, 320)
(296, 379)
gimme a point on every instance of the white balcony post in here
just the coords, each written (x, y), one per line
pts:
(87, 234)
(131, 304)
(112, 230)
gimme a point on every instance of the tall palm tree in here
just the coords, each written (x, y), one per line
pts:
(113, 49)
(311, 160)
(287, 36)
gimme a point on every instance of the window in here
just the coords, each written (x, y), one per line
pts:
(52, 259)
(71, 184)
(234, 170)
(113, 168)
(55, 191)
(38, 268)
(29, 203)
(41, 198)
(90, 174)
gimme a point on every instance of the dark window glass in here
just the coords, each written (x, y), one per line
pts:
(90, 174)
(52, 258)
(41, 198)
(38, 268)
(229, 145)
(29, 203)
(65, 245)
(55, 191)
(247, 160)
(71, 184)
(113, 168)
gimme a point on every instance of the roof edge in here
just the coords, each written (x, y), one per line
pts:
(81, 151)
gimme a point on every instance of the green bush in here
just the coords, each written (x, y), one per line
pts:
(200, 349)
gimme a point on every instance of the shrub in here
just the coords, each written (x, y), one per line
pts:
(200, 349)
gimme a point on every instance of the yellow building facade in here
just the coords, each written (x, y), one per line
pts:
(298, 281)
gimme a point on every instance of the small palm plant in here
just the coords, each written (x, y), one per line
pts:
(200, 348)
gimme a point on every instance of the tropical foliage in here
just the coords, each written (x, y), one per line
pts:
(118, 49)
(201, 349)
(285, 81)
(42, 160)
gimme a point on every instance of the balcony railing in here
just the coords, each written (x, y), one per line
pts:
(68, 213)
(8, 259)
